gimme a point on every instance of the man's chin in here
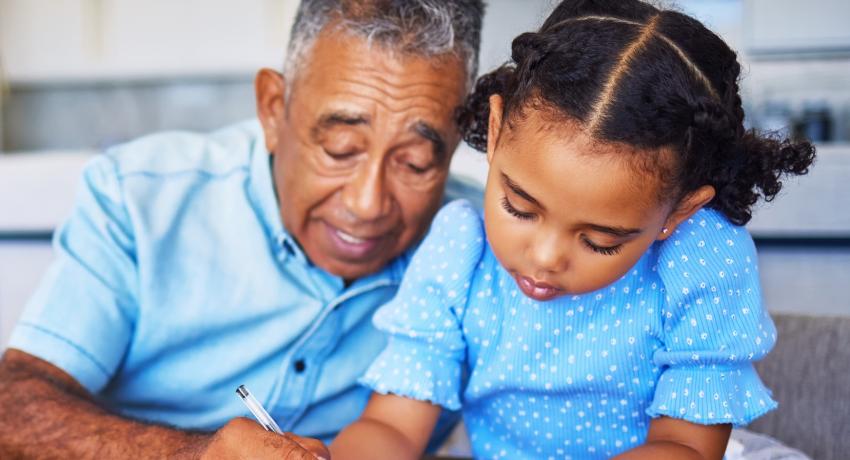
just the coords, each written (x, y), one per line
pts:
(351, 271)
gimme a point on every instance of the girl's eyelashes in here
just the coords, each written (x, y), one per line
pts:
(516, 212)
(604, 250)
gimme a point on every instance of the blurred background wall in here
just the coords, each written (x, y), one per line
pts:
(77, 76)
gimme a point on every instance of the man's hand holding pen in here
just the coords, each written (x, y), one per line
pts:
(244, 438)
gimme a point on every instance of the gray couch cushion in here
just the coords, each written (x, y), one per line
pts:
(809, 373)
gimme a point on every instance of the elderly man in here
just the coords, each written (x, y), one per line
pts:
(192, 264)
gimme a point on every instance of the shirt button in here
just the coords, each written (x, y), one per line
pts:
(300, 365)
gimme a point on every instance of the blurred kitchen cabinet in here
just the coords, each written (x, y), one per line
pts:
(792, 29)
(42, 40)
(61, 40)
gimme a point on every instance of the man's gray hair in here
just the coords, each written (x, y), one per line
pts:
(420, 27)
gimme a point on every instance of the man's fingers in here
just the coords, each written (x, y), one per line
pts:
(314, 446)
(244, 438)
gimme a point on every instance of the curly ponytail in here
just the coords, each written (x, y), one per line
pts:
(474, 116)
(741, 165)
(765, 162)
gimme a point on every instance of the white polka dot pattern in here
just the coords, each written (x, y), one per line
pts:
(579, 376)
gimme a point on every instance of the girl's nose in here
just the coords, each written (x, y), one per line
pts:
(548, 252)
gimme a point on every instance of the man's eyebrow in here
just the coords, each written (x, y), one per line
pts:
(615, 231)
(329, 120)
(519, 191)
(430, 133)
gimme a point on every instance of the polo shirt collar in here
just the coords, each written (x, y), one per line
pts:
(263, 194)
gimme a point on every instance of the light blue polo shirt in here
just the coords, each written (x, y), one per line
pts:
(175, 282)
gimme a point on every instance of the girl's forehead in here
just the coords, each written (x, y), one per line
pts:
(546, 124)
(561, 164)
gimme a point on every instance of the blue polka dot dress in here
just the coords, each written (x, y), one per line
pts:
(578, 376)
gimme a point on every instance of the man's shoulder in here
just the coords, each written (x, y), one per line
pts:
(459, 223)
(176, 152)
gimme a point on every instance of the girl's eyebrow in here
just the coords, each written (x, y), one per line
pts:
(616, 231)
(519, 191)
(619, 232)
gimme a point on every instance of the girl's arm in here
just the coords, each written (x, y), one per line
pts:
(676, 439)
(391, 427)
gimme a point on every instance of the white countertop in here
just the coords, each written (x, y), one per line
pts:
(814, 205)
(37, 189)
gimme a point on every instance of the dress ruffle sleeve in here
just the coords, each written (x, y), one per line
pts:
(424, 356)
(714, 325)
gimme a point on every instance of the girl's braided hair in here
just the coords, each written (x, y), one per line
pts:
(633, 74)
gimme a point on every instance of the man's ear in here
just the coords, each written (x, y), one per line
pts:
(494, 125)
(270, 91)
(687, 206)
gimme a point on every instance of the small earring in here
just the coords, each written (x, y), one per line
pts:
(664, 230)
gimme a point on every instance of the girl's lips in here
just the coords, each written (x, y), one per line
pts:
(536, 290)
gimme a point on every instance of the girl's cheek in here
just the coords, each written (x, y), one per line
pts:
(506, 237)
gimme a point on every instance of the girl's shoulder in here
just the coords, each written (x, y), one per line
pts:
(707, 255)
(455, 243)
(707, 235)
(458, 220)
(462, 209)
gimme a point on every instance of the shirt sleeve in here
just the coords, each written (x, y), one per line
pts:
(426, 349)
(81, 317)
(714, 325)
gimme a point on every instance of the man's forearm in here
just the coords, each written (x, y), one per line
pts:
(44, 415)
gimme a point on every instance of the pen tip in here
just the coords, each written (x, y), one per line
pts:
(242, 391)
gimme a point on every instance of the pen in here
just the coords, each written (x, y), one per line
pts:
(257, 409)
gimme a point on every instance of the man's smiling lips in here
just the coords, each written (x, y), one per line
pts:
(353, 247)
(535, 289)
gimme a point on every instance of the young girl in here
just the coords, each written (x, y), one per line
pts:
(608, 301)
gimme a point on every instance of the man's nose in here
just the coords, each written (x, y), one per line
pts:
(367, 195)
(548, 252)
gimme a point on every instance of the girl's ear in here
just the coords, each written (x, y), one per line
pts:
(690, 204)
(494, 125)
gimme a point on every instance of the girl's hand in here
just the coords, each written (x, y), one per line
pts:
(391, 427)
(671, 438)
